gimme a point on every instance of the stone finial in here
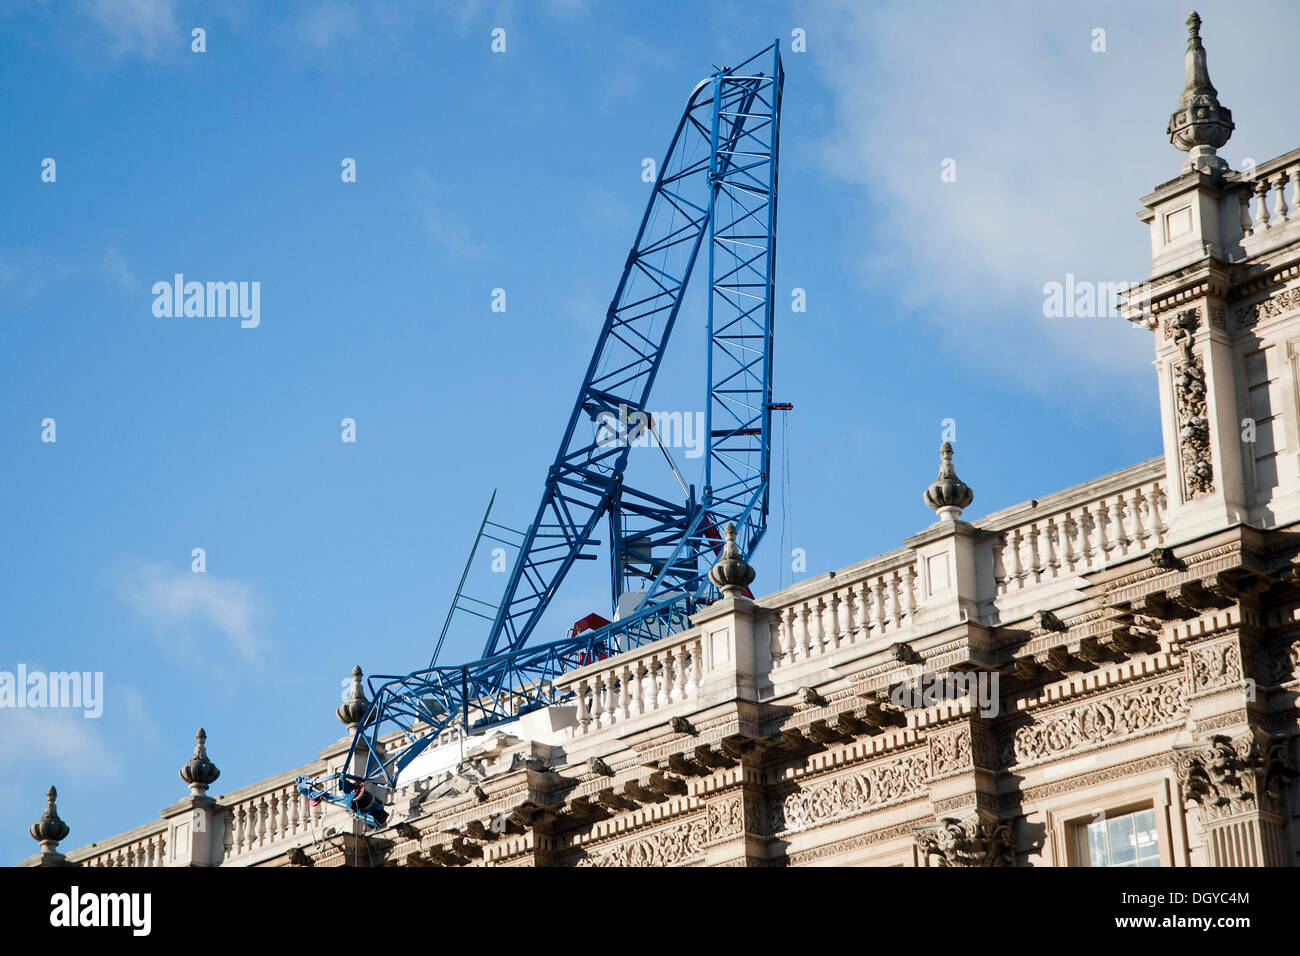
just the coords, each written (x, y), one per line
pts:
(200, 771)
(948, 495)
(352, 710)
(49, 829)
(732, 574)
(1200, 124)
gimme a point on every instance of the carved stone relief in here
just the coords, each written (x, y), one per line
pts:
(871, 787)
(1096, 721)
(1245, 317)
(975, 841)
(1192, 411)
(1230, 775)
(1215, 665)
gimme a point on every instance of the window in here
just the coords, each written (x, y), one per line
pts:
(1127, 840)
(1263, 452)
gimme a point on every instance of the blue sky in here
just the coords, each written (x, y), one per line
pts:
(519, 170)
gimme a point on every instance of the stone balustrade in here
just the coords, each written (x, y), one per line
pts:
(267, 818)
(1081, 537)
(143, 846)
(1263, 198)
(638, 682)
(883, 602)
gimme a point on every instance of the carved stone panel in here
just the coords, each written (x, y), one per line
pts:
(1214, 666)
(866, 789)
(1096, 721)
(668, 846)
(950, 752)
(1192, 411)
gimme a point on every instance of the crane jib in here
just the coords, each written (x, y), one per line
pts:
(715, 192)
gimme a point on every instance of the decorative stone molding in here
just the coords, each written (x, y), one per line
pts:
(1097, 721)
(976, 841)
(871, 787)
(1192, 411)
(1246, 316)
(668, 846)
(1056, 788)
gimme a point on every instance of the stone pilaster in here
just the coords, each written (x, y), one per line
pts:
(1202, 431)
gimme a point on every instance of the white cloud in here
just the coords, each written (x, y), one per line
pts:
(144, 28)
(323, 24)
(444, 229)
(26, 273)
(116, 267)
(177, 603)
(1054, 145)
(63, 740)
(61, 737)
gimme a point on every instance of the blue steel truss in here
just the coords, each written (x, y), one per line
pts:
(718, 181)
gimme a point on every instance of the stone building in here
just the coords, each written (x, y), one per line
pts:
(1104, 676)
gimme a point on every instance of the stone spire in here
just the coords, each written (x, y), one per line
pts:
(353, 709)
(1201, 124)
(49, 829)
(200, 771)
(731, 574)
(948, 495)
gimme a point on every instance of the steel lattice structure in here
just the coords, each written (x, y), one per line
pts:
(716, 190)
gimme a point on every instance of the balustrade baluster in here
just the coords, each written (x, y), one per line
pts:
(861, 611)
(909, 590)
(789, 625)
(1261, 206)
(1279, 201)
(803, 631)
(583, 716)
(1035, 559)
(624, 695)
(833, 621)
(1049, 547)
(845, 617)
(1017, 568)
(1136, 507)
(895, 608)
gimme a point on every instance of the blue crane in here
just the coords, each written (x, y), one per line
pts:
(718, 179)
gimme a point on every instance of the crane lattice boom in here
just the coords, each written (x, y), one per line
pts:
(716, 191)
